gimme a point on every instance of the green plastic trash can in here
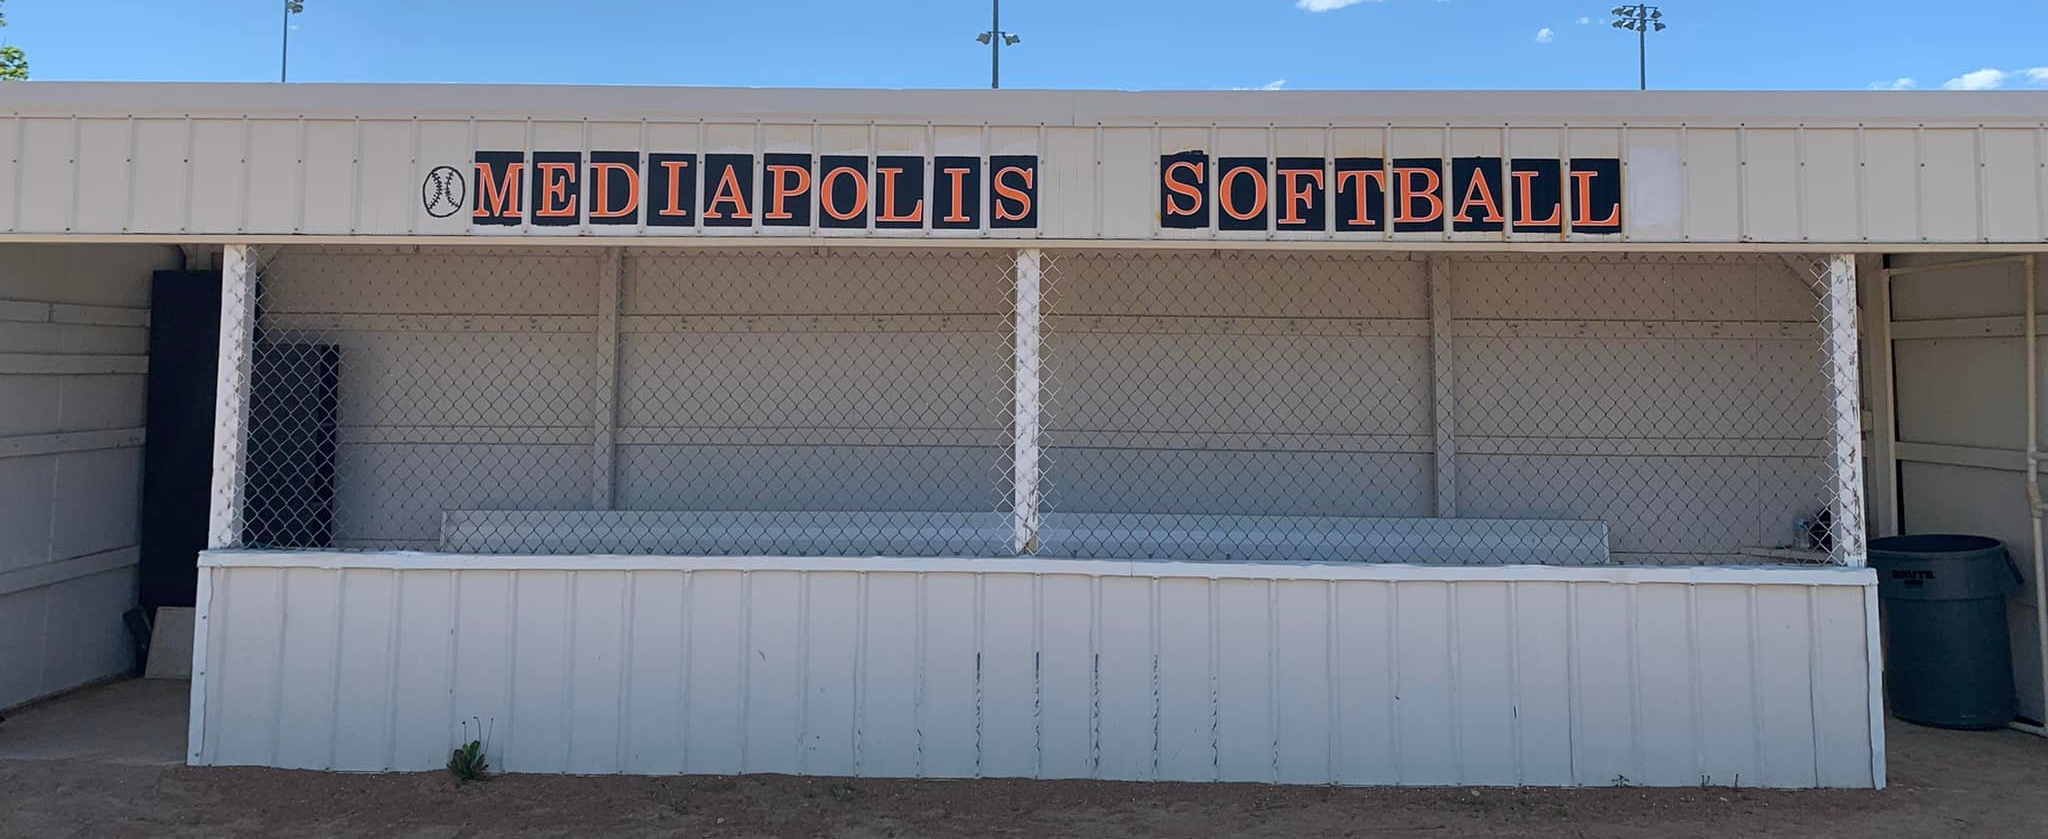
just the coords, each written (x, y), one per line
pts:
(1948, 661)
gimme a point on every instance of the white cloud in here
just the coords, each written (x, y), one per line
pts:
(1900, 83)
(1324, 5)
(1988, 78)
(2037, 75)
(1276, 84)
(1544, 35)
(1585, 21)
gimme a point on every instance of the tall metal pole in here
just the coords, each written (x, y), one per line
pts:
(284, 57)
(995, 45)
(1642, 46)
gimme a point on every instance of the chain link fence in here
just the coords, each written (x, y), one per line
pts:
(1233, 405)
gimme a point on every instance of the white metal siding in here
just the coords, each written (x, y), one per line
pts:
(1041, 668)
(217, 161)
(74, 334)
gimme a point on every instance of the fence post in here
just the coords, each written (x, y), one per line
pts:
(604, 451)
(1025, 374)
(1443, 387)
(231, 396)
(1845, 434)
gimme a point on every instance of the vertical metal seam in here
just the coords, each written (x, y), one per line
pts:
(919, 707)
(1455, 682)
(688, 662)
(341, 636)
(1394, 678)
(392, 640)
(1756, 700)
(980, 644)
(860, 669)
(1214, 664)
(1692, 653)
(1635, 677)
(1816, 743)
(1742, 214)
(622, 721)
(1333, 658)
(454, 648)
(206, 672)
(355, 180)
(1273, 718)
(569, 638)
(128, 171)
(746, 656)
(1574, 727)
(284, 617)
(1516, 742)
(803, 672)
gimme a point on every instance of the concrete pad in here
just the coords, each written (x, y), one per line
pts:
(170, 644)
(138, 722)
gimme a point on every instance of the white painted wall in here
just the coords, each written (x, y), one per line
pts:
(945, 668)
(74, 328)
(1960, 379)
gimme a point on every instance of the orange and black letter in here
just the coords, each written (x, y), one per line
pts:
(1013, 181)
(1184, 190)
(499, 175)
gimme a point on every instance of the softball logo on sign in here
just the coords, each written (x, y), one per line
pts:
(564, 188)
(441, 194)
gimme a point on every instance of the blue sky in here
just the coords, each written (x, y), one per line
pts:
(1116, 44)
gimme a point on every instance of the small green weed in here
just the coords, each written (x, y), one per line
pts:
(471, 762)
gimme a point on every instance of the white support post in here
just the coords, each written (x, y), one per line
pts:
(1845, 409)
(604, 448)
(1444, 387)
(1025, 372)
(231, 395)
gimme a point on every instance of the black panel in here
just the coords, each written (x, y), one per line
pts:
(1184, 190)
(1475, 195)
(1596, 195)
(499, 181)
(613, 194)
(1419, 194)
(843, 192)
(1361, 190)
(1538, 183)
(728, 190)
(787, 181)
(899, 192)
(671, 190)
(1301, 198)
(956, 193)
(555, 188)
(1243, 194)
(177, 454)
(1013, 179)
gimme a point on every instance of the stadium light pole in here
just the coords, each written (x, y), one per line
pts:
(1641, 19)
(996, 39)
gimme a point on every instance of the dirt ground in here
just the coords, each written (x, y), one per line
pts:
(1943, 784)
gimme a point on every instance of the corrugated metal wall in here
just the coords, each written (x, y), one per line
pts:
(74, 336)
(1041, 668)
(1698, 168)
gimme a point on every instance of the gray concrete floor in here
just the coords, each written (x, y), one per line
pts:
(139, 722)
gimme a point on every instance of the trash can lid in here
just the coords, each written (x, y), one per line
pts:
(1942, 566)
